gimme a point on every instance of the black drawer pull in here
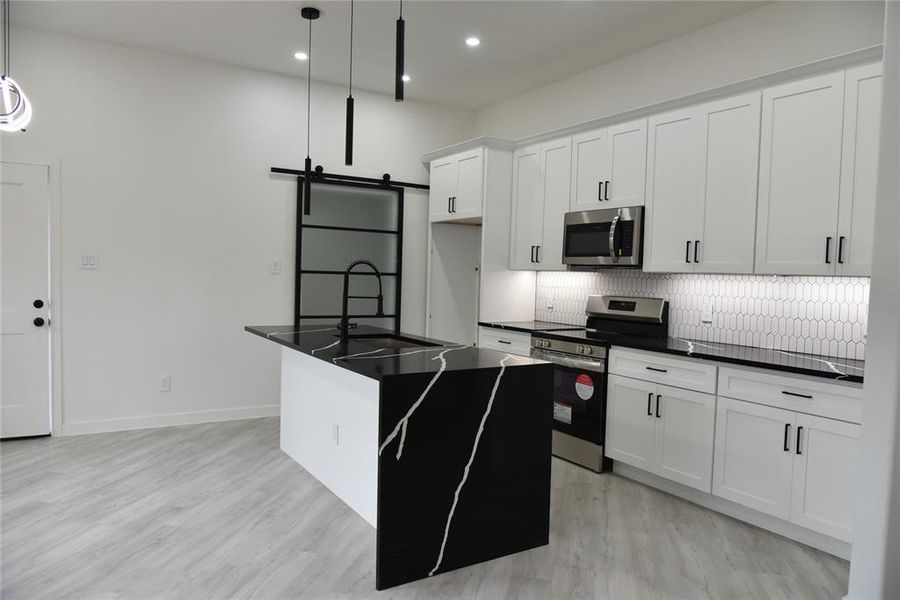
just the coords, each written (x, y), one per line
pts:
(504, 342)
(799, 429)
(649, 400)
(657, 370)
(807, 396)
(787, 433)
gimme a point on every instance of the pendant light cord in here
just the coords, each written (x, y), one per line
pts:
(350, 85)
(308, 85)
(401, 9)
(5, 38)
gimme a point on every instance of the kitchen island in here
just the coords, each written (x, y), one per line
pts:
(444, 448)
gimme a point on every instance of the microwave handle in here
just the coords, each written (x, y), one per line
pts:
(612, 239)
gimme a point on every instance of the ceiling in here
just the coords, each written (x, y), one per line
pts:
(525, 44)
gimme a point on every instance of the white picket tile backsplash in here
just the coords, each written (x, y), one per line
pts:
(815, 315)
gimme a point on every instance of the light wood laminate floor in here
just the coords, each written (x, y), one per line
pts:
(217, 511)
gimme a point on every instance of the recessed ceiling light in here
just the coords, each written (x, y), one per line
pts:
(472, 42)
(406, 78)
(301, 55)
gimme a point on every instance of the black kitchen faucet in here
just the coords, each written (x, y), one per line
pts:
(344, 324)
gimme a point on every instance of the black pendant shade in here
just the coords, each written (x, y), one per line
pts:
(401, 43)
(348, 141)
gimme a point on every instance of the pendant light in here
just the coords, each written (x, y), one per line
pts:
(348, 141)
(310, 14)
(15, 109)
(401, 43)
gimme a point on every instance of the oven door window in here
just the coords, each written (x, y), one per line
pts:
(579, 403)
(592, 239)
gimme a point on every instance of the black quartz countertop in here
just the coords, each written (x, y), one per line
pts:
(843, 369)
(361, 357)
(529, 326)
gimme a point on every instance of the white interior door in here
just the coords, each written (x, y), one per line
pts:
(24, 289)
(754, 458)
(825, 462)
(859, 170)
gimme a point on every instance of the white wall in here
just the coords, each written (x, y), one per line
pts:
(875, 562)
(164, 174)
(772, 38)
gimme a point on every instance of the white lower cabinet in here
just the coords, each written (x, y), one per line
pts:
(665, 430)
(790, 465)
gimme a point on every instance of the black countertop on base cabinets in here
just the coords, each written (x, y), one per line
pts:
(530, 326)
(842, 369)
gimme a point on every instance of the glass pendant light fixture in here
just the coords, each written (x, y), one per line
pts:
(15, 109)
(310, 14)
(401, 43)
(348, 141)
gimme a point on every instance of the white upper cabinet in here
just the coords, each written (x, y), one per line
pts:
(541, 185)
(674, 189)
(457, 187)
(800, 176)
(609, 166)
(701, 187)
(859, 166)
(556, 159)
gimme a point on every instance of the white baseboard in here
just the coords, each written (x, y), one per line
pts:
(185, 418)
(787, 529)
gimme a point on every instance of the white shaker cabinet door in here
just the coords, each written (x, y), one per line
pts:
(859, 170)
(442, 187)
(527, 208)
(469, 195)
(628, 166)
(731, 136)
(799, 176)
(591, 163)
(684, 436)
(556, 161)
(826, 455)
(630, 421)
(754, 456)
(674, 191)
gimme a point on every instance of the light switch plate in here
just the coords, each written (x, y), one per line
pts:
(275, 266)
(165, 383)
(89, 261)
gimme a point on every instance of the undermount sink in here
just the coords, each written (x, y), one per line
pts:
(379, 340)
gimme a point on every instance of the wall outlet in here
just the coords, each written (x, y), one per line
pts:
(89, 261)
(551, 302)
(165, 383)
(706, 313)
(275, 266)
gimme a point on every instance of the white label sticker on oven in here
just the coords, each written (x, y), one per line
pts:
(584, 386)
(562, 412)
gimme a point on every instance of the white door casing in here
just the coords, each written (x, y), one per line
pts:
(24, 347)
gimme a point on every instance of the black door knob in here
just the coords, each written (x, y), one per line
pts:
(39, 322)
(38, 303)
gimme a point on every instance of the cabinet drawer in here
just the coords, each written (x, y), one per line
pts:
(685, 373)
(793, 392)
(504, 340)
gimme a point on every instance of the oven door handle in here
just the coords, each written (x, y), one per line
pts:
(565, 360)
(612, 238)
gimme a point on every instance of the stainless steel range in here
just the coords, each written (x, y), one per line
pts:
(579, 389)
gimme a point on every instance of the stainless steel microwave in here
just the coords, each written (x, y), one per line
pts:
(604, 238)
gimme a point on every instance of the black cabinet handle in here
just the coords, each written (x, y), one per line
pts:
(448, 205)
(658, 396)
(687, 252)
(787, 433)
(606, 193)
(38, 303)
(38, 322)
(649, 401)
(537, 254)
(657, 370)
(828, 250)
(504, 341)
(841, 250)
(799, 429)
(532, 254)
(600, 192)
(696, 247)
(808, 397)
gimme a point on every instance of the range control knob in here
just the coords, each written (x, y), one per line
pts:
(587, 350)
